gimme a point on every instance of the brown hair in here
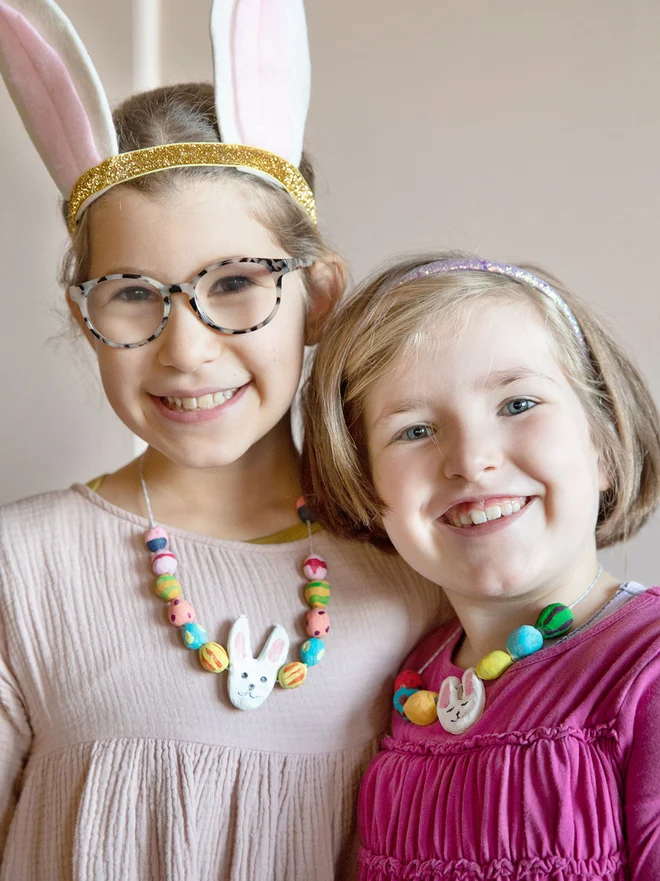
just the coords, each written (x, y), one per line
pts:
(186, 113)
(382, 320)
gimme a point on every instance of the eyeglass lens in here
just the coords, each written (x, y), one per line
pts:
(235, 296)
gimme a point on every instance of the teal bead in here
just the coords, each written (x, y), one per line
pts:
(311, 651)
(193, 635)
(524, 641)
(555, 620)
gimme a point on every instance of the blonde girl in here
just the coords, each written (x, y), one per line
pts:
(166, 711)
(479, 417)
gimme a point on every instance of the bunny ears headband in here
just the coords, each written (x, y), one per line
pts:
(262, 85)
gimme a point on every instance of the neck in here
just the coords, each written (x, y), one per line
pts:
(487, 622)
(247, 499)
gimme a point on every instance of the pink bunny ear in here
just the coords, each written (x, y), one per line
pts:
(468, 682)
(262, 73)
(55, 88)
(445, 696)
(275, 650)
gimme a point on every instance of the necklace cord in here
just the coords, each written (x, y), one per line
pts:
(146, 493)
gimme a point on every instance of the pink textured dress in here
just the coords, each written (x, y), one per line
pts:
(559, 779)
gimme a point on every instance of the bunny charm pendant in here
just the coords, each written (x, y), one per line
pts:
(461, 702)
(251, 679)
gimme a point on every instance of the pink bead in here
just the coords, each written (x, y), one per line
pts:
(314, 568)
(156, 539)
(318, 622)
(180, 612)
(163, 563)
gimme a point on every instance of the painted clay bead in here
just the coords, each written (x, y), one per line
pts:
(167, 588)
(213, 657)
(401, 695)
(292, 675)
(156, 539)
(408, 679)
(317, 594)
(193, 635)
(524, 641)
(312, 651)
(180, 612)
(318, 622)
(304, 512)
(315, 567)
(555, 620)
(163, 563)
(421, 707)
(493, 665)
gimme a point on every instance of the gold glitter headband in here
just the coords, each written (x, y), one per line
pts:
(138, 163)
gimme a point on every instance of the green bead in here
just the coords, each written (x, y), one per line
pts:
(555, 620)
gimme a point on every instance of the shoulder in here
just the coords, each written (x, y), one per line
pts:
(37, 513)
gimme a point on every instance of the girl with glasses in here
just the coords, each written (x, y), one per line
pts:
(174, 703)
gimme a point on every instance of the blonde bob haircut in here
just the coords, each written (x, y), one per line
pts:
(384, 320)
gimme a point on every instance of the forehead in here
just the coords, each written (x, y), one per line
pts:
(490, 339)
(173, 235)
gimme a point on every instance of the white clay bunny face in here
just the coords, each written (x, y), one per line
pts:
(251, 680)
(461, 703)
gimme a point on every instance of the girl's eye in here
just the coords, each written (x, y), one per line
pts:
(518, 405)
(232, 284)
(416, 432)
(135, 294)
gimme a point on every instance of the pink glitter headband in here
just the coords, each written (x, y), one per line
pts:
(472, 264)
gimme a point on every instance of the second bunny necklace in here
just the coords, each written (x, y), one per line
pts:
(251, 680)
(460, 703)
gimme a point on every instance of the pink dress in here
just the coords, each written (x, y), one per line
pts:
(559, 779)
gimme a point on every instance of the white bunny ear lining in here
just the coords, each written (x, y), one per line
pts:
(261, 65)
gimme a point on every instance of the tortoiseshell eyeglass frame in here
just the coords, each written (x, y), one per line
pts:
(278, 269)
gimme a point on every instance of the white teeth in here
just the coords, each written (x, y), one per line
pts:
(204, 402)
(478, 517)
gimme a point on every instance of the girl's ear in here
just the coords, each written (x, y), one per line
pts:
(327, 283)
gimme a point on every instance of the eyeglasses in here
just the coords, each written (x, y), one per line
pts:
(234, 296)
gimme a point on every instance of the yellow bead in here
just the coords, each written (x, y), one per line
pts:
(213, 657)
(292, 675)
(493, 665)
(421, 707)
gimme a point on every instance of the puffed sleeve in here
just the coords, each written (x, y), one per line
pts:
(642, 781)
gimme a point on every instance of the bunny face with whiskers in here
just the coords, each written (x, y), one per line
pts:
(461, 702)
(251, 679)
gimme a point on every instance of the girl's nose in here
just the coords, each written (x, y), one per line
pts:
(186, 342)
(469, 451)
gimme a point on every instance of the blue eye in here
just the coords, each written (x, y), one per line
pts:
(518, 405)
(416, 432)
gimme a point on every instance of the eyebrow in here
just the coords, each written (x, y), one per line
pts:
(500, 378)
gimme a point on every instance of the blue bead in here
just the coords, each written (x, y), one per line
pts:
(401, 695)
(193, 635)
(524, 641)
(312, 651)
(157, 544)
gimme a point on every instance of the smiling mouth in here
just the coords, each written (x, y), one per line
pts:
(249, 694)
(205, 402)
(469, 514)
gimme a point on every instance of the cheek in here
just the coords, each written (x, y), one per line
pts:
(121, 371)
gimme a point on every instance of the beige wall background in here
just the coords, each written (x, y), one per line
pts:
(525, 131)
